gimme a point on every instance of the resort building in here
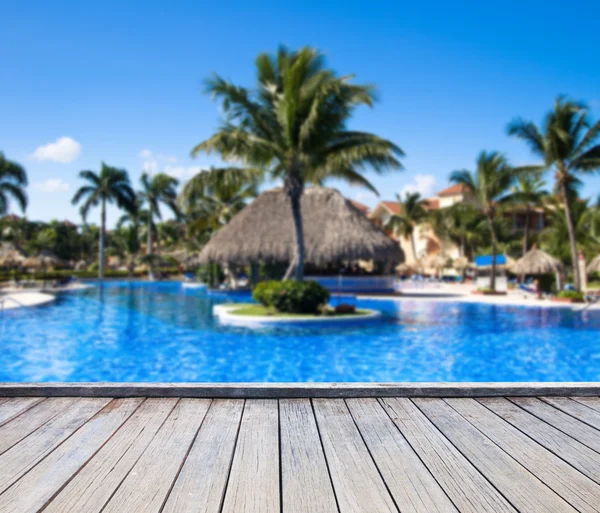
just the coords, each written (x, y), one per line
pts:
(427, 243)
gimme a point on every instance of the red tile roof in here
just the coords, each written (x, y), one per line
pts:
(392, 206)
(453, 190)
(360, 206)
(431, 204)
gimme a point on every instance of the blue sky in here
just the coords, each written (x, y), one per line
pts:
(122, 81)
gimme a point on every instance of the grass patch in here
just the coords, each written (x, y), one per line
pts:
(263, 311)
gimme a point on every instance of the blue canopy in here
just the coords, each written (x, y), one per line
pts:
(486, 260)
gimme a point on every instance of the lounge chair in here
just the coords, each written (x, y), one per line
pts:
(527, 289)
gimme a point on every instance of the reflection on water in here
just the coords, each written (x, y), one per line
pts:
(163, 332)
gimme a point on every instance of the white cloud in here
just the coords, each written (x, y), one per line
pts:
(51, 185)
(153, 163)
(425, 185)
(64, 150)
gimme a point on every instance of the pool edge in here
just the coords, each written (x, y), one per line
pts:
(299, 390)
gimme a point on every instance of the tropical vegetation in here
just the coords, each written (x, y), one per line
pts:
(569, 144)
(411, 213)
(111, 185)
(292, 127)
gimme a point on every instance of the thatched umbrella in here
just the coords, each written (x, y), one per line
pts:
(404, 268)
(11, 255)
(439, 262)
(537, 262)
(594, 265)
(43, 260)
(81, 265)
(334, 231)
(461, 263)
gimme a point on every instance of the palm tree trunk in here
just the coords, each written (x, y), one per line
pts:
(526, 233)
(494, 244)
(294, 186)
(299, 231)
(102, 238)
(414, 245)
(571, 229)
(149, 241)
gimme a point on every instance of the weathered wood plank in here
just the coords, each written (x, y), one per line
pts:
(356, 480)
(201, 484)
(145, 488)
(575, 408)
(297, 390)
(413, 487)
(584, 459)
(575, 488)
(306, 485)
(91, 488)
(468, 489)
(14, 431)
(10, 408)
(34, 489)
(253, 485)
(24, 455)
(566, 423)
(590, 402)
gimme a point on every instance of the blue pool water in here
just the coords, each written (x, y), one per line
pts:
(162, 332)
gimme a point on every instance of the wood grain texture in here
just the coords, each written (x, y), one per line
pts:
(466, 487)
(14, 431)
(357, 482)
(146, 487)
(306, 485)
(413, 487)
(39, 485)
(24, 455)
(10, 408)
(567, 448)
(202, 481)
(93, 485)
(566, 423)
(253, 485)
(577, 408)
(559, 477)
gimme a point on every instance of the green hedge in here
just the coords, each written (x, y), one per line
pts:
(305, 297)
(571, 294)
(57, 275)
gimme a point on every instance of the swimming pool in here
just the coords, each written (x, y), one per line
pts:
(141, 332)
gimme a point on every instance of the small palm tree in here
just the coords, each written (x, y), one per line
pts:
(206, 209)
(161, 188)
(111, 185)
(528, 192)
(568, 143)
(411, 213)
(488, 185)
(292, 127)
(13, 180)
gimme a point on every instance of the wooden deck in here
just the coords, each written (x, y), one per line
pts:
(84, 455)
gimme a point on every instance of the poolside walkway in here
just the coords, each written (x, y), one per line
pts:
(172, 455)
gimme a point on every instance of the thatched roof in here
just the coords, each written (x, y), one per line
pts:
(460, 263)
(437, 261)
(537, 261)
(334, 230)
(43, 259)
(11, 255)
(594, 265)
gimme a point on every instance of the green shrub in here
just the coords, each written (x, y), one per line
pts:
(305, 297)
(575, 295)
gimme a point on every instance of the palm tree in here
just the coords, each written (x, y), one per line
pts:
(161, 188)
(125, 242)
(568, 145)
(292, 127)
(206, 209)
(13, 180)
(528, 192)
(111, 185)
(411, 213)
(461, 224)
(488, 185)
